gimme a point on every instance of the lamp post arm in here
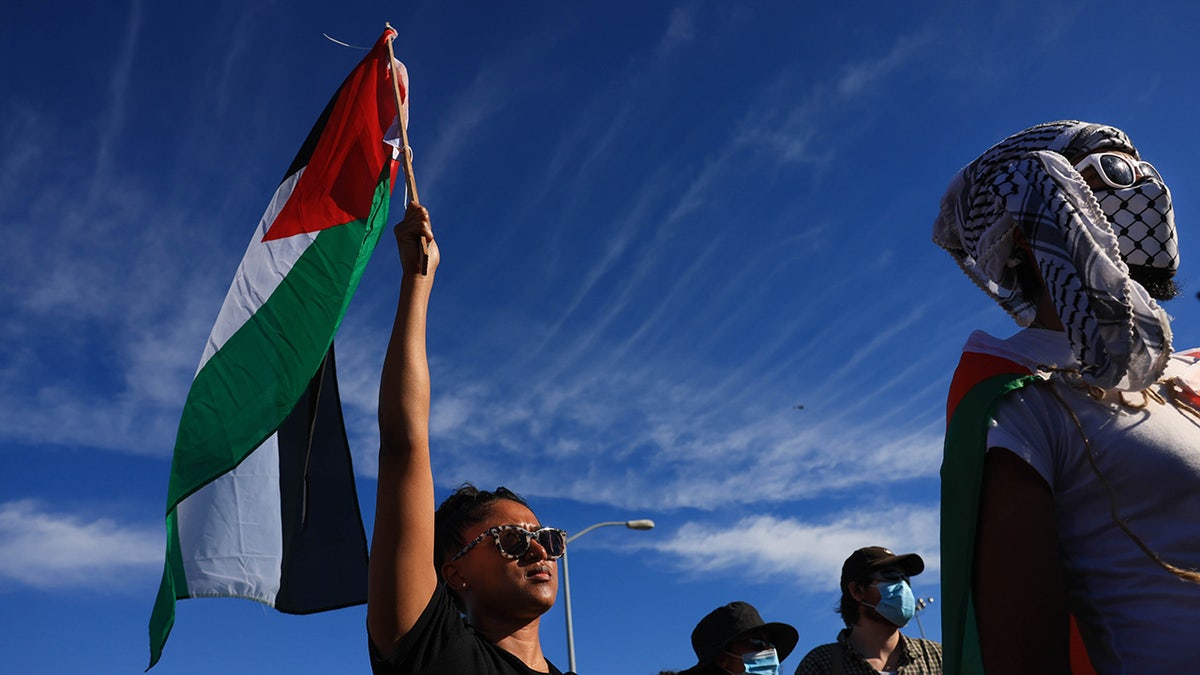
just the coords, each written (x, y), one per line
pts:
(589, 528)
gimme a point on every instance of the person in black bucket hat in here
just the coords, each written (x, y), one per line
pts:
(733, 638)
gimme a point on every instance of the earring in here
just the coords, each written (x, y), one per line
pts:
(464, 585)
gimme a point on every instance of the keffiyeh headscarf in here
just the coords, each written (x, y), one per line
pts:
(1082, 240)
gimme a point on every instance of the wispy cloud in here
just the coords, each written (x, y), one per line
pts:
(647, 436)
(491, 89)
(232, 44)
(113, 117)
(48, 550)
(681, 28)
(107, 342)
(24, 134)
(861, 76)
(807, 553)
(790, 131)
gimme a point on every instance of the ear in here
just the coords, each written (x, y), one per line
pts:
(454, 576)
(856, 591)
(727, 662)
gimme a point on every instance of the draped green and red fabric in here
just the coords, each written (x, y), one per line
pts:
(261, 501)
(980, 381)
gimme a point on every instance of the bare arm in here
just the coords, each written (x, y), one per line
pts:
(402, 578)
(1021, 602)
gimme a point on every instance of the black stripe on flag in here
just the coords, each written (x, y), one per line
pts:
(324, 543)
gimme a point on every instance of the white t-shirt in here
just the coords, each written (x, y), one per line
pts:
(1135, 616)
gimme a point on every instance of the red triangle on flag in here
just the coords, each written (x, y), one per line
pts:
(349, 151)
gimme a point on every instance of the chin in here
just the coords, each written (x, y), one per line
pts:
(545, 598)
(535, 598)
(1161, 288)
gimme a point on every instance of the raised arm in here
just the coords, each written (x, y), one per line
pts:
(402, 578)
(1021, 601)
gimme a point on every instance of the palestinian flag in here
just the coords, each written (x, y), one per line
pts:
(982, 378)
(261, 502)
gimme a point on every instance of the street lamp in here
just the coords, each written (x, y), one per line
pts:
(642, 524)
(922, 603)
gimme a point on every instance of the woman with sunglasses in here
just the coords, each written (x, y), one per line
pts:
(461, 591)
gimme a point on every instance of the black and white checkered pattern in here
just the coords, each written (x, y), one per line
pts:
(1120, 336)
(1143, 219)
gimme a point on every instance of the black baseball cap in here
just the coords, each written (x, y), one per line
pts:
(866, 560)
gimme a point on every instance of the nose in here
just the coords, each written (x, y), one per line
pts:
(536, 550)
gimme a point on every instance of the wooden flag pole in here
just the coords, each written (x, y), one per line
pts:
(409, 180)
(408, 168)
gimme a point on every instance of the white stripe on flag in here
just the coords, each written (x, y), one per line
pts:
(230, 531)
(261, 271)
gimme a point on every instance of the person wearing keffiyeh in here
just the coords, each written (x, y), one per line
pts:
(1071, 470)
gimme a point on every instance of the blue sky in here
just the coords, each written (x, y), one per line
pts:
(664, 227)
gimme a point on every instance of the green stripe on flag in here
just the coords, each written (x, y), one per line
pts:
(251, 384)
(962, 480)
(162, 619)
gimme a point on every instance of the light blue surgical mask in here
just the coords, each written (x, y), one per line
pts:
(896, 603)
(765, 662)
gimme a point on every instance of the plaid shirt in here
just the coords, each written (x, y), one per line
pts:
(917, 657)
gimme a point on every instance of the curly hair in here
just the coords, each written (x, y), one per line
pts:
(467, 506)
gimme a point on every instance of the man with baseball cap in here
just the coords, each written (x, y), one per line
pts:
(733, 638)
(876, 603)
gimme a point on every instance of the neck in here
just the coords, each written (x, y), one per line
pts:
(875, 639)
(517, 637)
(1046, 316)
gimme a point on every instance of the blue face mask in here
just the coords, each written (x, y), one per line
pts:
(896, 603)
(765, 662)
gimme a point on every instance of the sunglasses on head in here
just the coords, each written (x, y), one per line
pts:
(1117, 170)
(514, 541)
